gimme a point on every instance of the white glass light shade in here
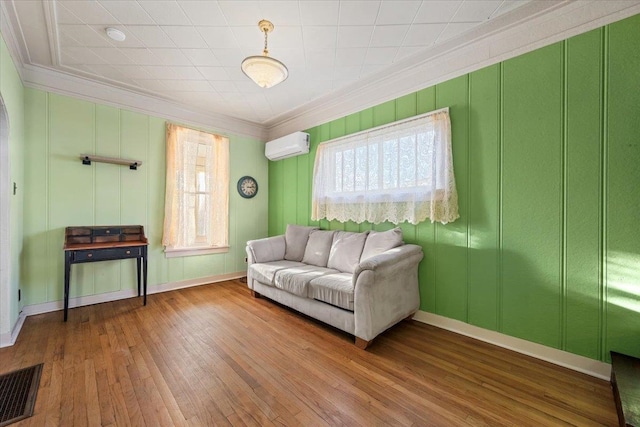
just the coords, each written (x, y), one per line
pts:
(264, 70)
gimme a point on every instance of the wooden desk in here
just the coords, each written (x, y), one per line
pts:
(104, 243)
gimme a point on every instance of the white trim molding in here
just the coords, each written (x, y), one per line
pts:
(9, 339)
(102, 92)
(47, 307)
(527, 28)
(565, 359)
(10, 28)
(55, 81)
(534, 25)
(5, 225)
(176, 253)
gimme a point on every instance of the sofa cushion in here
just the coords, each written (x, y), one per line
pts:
(346, 250)
(381, 241)
(334, 289)
(296, 238)
(265, 271)
(295, 280)
(318, 248)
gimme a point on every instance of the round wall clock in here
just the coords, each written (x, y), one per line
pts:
(247, 187)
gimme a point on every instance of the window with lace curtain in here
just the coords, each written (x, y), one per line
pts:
(196, 217)
(398, 172)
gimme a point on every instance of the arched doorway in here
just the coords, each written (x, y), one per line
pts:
(5, 212)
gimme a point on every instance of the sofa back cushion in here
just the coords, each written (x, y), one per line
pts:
(381, 241)
(318, 248)
(296, 238)
(346, 250)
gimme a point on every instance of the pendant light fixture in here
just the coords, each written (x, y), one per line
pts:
(263, 69)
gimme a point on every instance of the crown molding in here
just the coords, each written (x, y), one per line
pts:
(8, 24)
(60, 82)
(529, 27)
(55, 81)
(524, 29)
(50, 18)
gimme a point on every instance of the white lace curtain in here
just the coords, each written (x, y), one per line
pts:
(398, 172)
(197, 190)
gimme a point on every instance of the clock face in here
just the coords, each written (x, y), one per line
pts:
(247, 187)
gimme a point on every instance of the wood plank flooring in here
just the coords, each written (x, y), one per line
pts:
(213, 355)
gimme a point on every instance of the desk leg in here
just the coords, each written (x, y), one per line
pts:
(138, 265)
(67, 278)
(144, 265)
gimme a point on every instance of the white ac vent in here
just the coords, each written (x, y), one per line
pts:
(287, 146)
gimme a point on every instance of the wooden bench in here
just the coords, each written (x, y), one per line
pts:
(625, 380)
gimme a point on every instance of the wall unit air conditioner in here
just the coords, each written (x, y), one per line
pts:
(287, 146)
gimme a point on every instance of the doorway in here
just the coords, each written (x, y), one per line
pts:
(5, 213)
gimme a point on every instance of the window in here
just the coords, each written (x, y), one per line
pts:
(398, 172)
(196, 217)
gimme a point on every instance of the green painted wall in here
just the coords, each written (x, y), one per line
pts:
(60, 192)
(12, 93)
(547, 165)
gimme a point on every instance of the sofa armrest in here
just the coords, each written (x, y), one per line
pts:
(386, 290)
(389, 258)
(265, 250)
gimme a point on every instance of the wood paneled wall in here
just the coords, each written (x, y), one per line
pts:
(61, 191)
(547, 165)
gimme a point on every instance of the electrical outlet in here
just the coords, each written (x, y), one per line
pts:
(246, 260)
(19, 295)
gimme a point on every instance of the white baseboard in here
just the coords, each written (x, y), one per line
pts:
(578, 363)
(9, 339)
(47, 307)
(562, 358)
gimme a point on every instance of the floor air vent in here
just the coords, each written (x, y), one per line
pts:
(18, 391)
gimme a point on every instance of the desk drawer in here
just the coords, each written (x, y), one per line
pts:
(106, 254)
(106, 231)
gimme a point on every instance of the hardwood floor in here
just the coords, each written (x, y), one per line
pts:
(214, 355)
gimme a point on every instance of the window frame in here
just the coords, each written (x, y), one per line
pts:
(400, 193)
(399, 171)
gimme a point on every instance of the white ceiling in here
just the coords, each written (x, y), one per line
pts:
(190, 51)
(181, 58)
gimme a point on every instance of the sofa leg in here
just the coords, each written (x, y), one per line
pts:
(409, 317)
(255, 294)
(362, 344)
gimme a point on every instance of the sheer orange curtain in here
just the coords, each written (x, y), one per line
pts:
(170, 234)
(184, 147)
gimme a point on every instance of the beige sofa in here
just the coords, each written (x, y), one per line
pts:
(361, 283)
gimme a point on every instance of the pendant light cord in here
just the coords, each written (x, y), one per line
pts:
(265, 52)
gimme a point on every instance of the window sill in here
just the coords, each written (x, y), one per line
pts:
(175, 253)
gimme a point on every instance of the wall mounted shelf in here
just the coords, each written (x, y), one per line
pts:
(88, 158)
